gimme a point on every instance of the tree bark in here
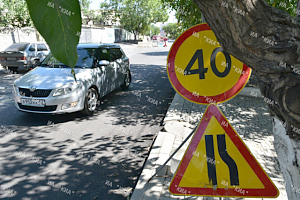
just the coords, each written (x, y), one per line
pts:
(297, 13)
(267, 40)
(276, 43)
(288, 152)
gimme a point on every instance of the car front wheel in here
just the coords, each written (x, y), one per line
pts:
(126, 83)
(90, 103)
(35, 63)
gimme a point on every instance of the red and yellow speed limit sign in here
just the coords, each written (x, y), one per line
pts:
(201, 71)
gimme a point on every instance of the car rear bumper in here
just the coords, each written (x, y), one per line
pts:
(19, 63)
(53, 105)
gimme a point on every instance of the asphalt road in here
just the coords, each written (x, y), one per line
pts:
(74, 157)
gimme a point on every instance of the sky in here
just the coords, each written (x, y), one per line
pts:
(96, 4)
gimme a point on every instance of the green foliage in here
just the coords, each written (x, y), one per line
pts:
(173, 30)
(14, 13)
(88, 14)
(187, 12)
(136, 15)
(59, 22)
(290, 6)
(110, 11)
(154, 30)
(84, 7)
(84, 4)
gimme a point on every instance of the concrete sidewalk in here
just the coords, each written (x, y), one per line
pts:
(248, 115)
(127, 45)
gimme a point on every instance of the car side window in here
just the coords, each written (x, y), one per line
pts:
(32, 47)
(123, 53)
(104, 54)
(41, 47)
(116, 54)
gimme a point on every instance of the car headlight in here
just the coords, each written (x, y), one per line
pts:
(15, 88)
(67, 89)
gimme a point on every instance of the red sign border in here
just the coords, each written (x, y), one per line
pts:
(229, 94)
(270, 189)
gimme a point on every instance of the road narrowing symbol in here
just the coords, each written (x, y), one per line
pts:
(218, 163)
(199, 69)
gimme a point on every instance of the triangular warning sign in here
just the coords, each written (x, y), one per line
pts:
(218, 163)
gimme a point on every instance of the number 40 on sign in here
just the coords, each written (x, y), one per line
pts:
(200, 66)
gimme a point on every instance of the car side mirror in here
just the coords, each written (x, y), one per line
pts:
(103, 63)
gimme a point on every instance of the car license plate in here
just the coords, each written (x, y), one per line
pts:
(33, 102)
(11, 58)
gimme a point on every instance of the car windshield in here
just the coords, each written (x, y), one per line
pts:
(85, 59)
(17, 47)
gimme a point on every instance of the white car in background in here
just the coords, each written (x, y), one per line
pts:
(23, 55)
(51, 87)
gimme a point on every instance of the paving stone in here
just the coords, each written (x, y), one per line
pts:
(153, 189)
(167, 144)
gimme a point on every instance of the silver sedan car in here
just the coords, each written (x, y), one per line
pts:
(51, 87)
(23, 55)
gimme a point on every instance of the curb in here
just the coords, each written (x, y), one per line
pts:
(247, 91)
(171, 113)
(158, 155)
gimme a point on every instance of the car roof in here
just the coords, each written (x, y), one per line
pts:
(30, 43)
(96, 45)
(21, 43)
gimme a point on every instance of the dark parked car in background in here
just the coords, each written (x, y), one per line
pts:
(23, 55)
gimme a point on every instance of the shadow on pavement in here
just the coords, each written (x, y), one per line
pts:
(35, 164)
(159, 53)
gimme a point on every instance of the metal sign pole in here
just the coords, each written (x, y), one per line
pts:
(186, 139)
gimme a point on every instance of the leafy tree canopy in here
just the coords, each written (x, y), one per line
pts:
(290, 6)
(187, 12)
(14, 13)
(85, 4)
(137, 15)
(154, 30)
(88, 14)
(110, 11)
(173, 30)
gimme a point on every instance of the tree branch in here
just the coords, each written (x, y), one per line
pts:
(265, 39)
(297, 12)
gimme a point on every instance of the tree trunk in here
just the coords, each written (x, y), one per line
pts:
(297, 13)
(18, 34)
(267, 40)
(288, 152)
